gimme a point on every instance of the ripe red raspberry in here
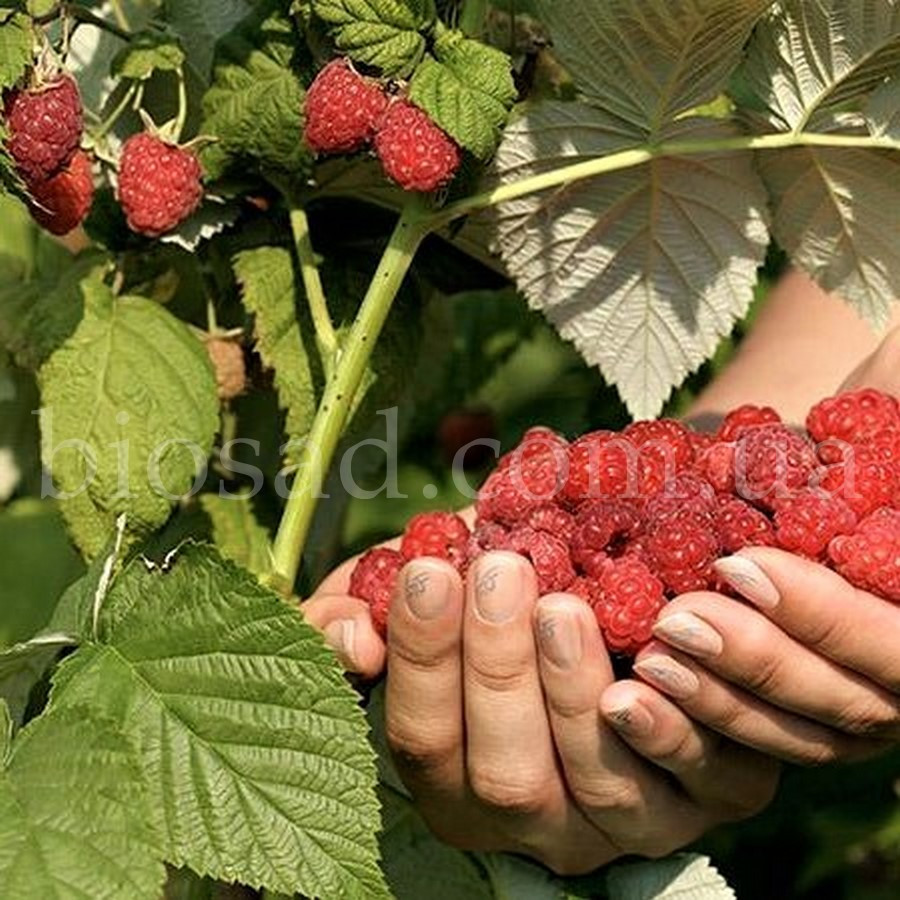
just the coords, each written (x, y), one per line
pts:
(602, 465)
(159, 184)
(716, 464)
(681, 549)
(687, 492)
(870, 557)
(854, 417)
(62, 203)
(748, 416)
(588, 588)
(439, 534)
(604, 527)
(486, 537)
(807, 522)
(374, 579)
(739, 525)
(863, 478)
(553, 519)
(771, 463)
(667, 440)
(230, 367)
(414, 152)
(548, 554)
(343, 109)
(45, 126)
(631, 597)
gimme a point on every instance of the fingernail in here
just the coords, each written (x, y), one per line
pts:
(341, 637)
(499, 583)
(749, 580)
(632, 720)
(669, 676)
(427, 591)
(559, 636)
(688, 632)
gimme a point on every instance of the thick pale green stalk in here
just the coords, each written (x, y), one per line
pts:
(473, 16)
(343, 387)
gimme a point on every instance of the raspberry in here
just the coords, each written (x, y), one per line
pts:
(159, 184)
(414, 152)
(863, 478)
(772, 462)
(716, 465)
(631, 597)
(228, 362)
(600, 526)
(870, 557)
(343, 109)
(374, 580)
(743, 417)
(552, 519)
(667, 440)
(62, 203)
(587, 588)
(536, 442)
(739, 525)
(488, 536)
(686, 492)
(852, 417)
(602, 465)
(548, 554)
(45, 127)
(439, 534)
(681, 549)
(807, 522)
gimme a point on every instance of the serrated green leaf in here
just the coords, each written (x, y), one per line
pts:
(147, 53)
(24, 665)
(15, 48)
(647, 61)
(468, 89)
(808, 61)
(201, 24)
(382, 33)
(641, 269)
(680, 877)
(267, 280)
(135, 390)
(254, 745)
(237, 533)
(73, 814)
(254, 106)
(835, 213)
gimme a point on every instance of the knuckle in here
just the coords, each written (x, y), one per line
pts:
(876, 717)
(499, 675)
(522, 795)
(621, 796)
(420, 656)
(417, 749)
(729, 716)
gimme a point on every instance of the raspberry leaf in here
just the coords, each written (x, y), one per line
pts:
(648, 62)
(685, 875)
(133, 393)
(22, 666)
(382, 33)
(253, 744)
(15, 46)
(608, 260)
(467, 88)
(74, 813)
(883, 110)
(237, 533)
(254, 107)
(266, 277)
(148, 53)
(200, 25)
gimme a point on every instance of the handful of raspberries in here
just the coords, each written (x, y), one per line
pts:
(629, 520)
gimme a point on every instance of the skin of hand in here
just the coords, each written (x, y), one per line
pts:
(500, 728)
(810, 670)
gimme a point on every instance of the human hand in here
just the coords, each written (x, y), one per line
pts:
(510, 733)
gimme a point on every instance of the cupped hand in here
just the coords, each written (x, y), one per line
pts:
(510, 733)
(810, 672)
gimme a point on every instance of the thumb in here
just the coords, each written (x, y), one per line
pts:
(347, 627)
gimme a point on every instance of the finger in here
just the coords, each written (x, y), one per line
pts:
(347, 628)
(743, 717)
(423, 701)
(614, 787)
(821, 610)
(745, 648)
(737, 781)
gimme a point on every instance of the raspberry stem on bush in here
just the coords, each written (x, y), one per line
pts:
(343, 387)
(326, 337)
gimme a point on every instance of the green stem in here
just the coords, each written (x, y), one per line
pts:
(119, 13)
(342, 389)
(627, 159)
(181, 118)
(326, 336)
(86, 17)
(472, 17)
(116, 114)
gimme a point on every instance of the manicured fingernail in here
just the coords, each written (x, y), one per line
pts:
(426, 589)
(688, 632)
(341, 637)
(499, 582)
(633, 720)
(669, 676)
(559, 636)
(749, 580)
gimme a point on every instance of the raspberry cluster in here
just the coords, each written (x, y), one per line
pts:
(347, 112)
(45, 123)
(628, 521)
